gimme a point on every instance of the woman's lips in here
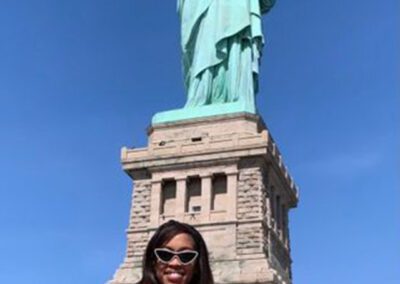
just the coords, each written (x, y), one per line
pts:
(174, 276)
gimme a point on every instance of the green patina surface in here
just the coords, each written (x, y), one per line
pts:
(201, 111)
(221, 44)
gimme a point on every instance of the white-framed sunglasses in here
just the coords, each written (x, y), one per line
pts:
(185, 257)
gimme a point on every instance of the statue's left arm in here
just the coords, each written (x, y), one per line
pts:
(179, 6)
(266, 5)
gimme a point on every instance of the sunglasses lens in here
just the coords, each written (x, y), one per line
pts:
(187, 257)
(164, 255)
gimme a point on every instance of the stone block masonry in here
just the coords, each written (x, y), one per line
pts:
(240, 204)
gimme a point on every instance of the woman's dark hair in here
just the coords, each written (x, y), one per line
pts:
(202, 272)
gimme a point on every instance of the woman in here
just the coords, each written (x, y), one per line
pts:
(176, 254)
(221, 43)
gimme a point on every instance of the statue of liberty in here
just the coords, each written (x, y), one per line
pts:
(221, 43)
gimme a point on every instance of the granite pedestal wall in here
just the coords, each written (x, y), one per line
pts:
(225, 176)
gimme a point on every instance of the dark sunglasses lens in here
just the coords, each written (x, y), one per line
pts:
(164, 255)
(187, 257)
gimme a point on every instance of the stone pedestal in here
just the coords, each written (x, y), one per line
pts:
(225, 176)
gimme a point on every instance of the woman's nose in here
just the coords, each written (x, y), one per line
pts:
(175, 261)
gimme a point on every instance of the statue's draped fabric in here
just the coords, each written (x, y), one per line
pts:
(221, 42)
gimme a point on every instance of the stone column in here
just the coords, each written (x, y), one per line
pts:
(268, 209)
(155, 203)
(274, 211)
(180, 198)
(232, 187)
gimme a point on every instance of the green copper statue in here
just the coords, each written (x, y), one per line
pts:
(221, 43)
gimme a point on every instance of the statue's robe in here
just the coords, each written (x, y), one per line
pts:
(221, 42)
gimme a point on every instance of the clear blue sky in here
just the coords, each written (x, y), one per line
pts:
(81, 79)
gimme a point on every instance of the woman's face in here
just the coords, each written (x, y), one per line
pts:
(174, 272)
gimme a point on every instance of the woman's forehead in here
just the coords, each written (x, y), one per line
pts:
(179, 242)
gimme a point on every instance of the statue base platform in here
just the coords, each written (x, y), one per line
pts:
(203, 111)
